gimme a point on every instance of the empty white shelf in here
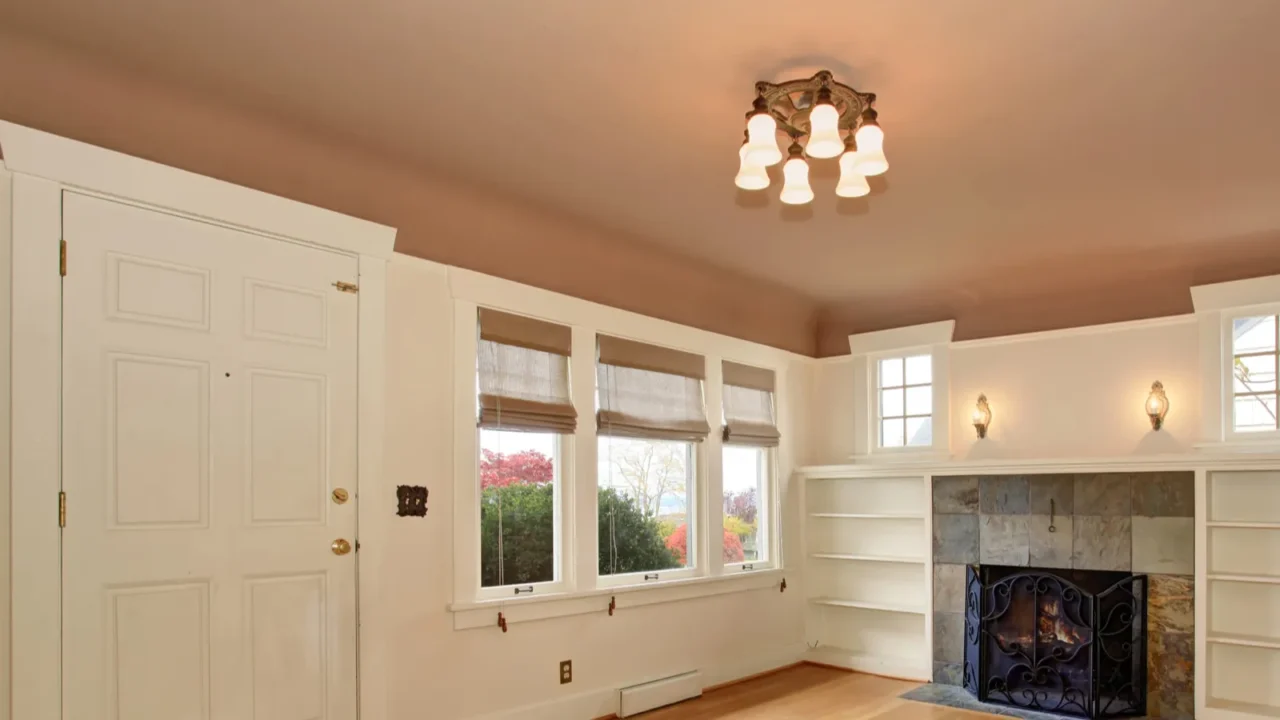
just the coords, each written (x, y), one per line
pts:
(870, 516)
(1263, 579)
(1245, 640)
(868, 558)
(864, 605)
(1243, 525)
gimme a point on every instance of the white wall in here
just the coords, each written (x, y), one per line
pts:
(438, 672)
(1069, 394)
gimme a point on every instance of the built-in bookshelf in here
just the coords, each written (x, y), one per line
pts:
(1238, 586)
(866, 557)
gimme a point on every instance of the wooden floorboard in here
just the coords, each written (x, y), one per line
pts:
(811, 692)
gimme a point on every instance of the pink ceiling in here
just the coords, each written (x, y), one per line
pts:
(1053, 163)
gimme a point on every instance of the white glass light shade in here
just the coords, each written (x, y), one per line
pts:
(750, 176)
(824, 132)
(852, 183)
(871, 159)
(762, 140)
(795, 186)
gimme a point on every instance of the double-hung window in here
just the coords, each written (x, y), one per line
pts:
(524, 422)
(904, 390)
(1255, 346)
(750, 434)
(650, 419)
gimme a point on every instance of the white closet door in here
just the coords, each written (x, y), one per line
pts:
(209, 412)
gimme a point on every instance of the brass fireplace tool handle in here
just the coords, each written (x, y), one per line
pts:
(1053, 507)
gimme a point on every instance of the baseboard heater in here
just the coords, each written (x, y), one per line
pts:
(667, 691)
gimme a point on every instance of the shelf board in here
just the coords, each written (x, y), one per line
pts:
(863, 605)
(1244, 640)
(868, 558)
(1243, 708)
(870, 516)
(1243, 525)
(1261, 579)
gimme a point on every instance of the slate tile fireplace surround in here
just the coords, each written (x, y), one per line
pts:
(1125, 524)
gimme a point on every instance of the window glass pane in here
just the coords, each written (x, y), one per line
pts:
(644, 504)
(891, 403)
(1253, 334)
(920, 400)
(891, 433)
(1255, 373)
(517, 508)
(891, 372)
(1255, 413)
(919, 369)
(745, 485)
(919, 431)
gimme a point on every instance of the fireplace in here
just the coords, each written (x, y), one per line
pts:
(1064, 641)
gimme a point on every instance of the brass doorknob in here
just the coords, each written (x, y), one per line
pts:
(340, 495)
(341, 547)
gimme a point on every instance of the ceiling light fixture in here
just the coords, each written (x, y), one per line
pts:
(795, 174)
(818, 110)
(751, 176)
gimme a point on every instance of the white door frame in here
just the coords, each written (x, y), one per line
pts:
(43, 166)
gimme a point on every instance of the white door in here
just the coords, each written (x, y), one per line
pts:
(209, 414)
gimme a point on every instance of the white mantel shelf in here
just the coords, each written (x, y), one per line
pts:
(1221, 457)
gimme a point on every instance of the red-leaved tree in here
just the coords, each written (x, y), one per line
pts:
(678, 541)
(528, 467)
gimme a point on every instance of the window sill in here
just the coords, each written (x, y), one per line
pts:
(484, 613)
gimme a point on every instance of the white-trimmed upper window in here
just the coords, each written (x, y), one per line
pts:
(904, 389)
(1255, 350)
(750, 433)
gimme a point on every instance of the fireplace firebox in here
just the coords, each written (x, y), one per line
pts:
(1072, 642)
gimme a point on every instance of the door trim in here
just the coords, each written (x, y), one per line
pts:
(36, 352)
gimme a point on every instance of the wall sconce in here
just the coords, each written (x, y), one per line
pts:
(981, 416)
(1157, 405)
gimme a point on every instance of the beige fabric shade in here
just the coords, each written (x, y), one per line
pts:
(641, 356)
(747, 376)
(748, 406)
(643, 402)
(524, 388)
(525, 332)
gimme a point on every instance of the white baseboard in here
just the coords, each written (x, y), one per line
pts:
(888, 667)
(604, 701)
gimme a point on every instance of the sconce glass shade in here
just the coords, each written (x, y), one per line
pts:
(795, 185)
(852, 183)
(1157, 405)
(762, 140)
(824, 133)
(750, 176)
(871, 159)
(982, 416)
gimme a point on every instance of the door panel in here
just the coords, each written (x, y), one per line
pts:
(209, 408)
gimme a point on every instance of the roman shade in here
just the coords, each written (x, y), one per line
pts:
(523, 373)
(649, 391)
(748, 406)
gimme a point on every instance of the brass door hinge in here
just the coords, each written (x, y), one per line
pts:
(62, 258)
(347, 287)
(62, 509)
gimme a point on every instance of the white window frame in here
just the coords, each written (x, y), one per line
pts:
(767, 527)
(560, 480)
(1226, 374)
(877, 410)
(867, 349)
(694, 552)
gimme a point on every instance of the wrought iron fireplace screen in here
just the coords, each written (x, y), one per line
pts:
(1068, 641)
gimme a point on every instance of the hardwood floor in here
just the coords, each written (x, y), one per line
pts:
(811, 692)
